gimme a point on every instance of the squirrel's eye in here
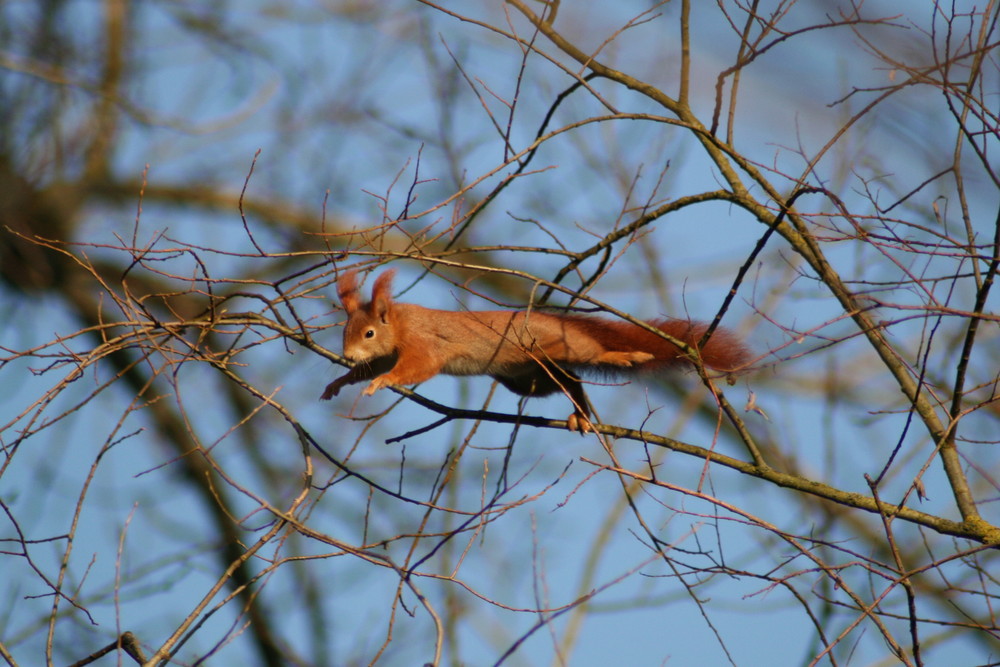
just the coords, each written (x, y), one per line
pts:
(370, 333)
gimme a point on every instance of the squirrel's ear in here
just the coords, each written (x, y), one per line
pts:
(382, 293)
(347, 291)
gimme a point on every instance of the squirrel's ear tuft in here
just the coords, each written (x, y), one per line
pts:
(347, 291)
(382, 293)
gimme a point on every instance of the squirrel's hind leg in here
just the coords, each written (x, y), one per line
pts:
(623, 358)
(545, 380)
(579, 421)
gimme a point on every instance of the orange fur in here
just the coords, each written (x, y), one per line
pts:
(531, 353)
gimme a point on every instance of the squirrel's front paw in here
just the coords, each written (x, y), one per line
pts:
(331, 390)
(375, 385)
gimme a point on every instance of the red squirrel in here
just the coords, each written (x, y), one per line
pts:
(530, 352)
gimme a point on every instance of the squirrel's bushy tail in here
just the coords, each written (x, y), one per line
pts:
(723, 352)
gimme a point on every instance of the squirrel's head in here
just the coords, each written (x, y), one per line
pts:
(370, 332)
